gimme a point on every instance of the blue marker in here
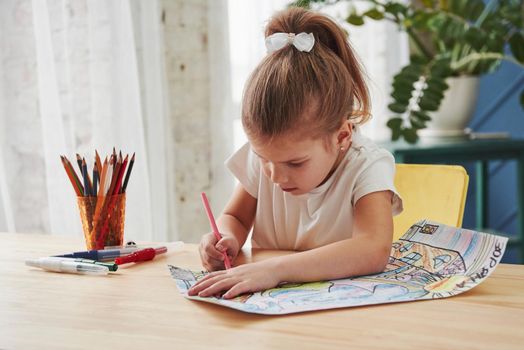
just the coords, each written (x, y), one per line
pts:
(100, 255)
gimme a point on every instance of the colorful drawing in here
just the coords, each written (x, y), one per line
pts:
(430, 261)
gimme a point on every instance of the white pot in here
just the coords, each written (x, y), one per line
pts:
(456, 109)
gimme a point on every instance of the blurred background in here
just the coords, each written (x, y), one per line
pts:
(163, 79)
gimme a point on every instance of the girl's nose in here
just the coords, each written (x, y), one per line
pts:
(277, 175)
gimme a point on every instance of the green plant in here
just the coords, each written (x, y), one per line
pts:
(450, 38)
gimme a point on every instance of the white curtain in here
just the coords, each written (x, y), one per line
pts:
(76, 75)
(381, 48)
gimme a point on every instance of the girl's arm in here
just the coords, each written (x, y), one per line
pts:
(234, 225)
(238, 215)
(366, 252)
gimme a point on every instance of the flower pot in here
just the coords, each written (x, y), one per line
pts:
(456, 109)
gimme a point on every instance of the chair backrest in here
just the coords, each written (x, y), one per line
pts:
(429, 191)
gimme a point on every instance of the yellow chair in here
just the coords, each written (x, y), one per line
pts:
(434, 192)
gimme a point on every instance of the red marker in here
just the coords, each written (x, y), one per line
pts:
(141, 255)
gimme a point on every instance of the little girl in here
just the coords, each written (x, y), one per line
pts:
(309, 180)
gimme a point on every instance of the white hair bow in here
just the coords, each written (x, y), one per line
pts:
(302, 41)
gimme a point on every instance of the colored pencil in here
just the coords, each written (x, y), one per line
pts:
(87, 188)
(75, 176)
(79, 162)
(124, 186)
(214, 228)
(103, 178)
(101, 193)
(109, 176)
(70, 176)
(114, 159)
(98, 164)
(95, 180)
(114, 177)
(118, 186)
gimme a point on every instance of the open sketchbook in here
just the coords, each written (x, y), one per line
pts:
(430, 261)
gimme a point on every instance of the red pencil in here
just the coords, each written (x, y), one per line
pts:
(120, 177)
(214, 228)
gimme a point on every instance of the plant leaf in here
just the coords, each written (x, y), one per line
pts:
(395, 124)
(516, 44)
(403, 85)
(402, 96)
(441, 68)
(374, 13)
(397, 107)
(301, 3)
(395, 134)
(421, 115)
(417, 123)
(437, 83)
(475, 37)
(433, 94)
(428, 3)
(468, 9)
(410, 135)
(428, 104)
(355, 19)
(395, 8)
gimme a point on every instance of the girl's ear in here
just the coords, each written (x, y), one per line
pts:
(344, 135)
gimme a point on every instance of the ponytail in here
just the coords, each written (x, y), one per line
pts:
(317, 90)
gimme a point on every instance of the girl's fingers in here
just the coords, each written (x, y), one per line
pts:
(208, 263)
(212, 264)
(236, 290)
(209, 276)
(211, 258)
(214, 253)
(205, 282)
(224, 244)
(217, 287)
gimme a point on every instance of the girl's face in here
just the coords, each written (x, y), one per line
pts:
(300, 165)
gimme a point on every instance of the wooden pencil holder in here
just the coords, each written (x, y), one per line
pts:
(103, 220)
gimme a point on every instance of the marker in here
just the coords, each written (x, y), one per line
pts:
(214, 228)
(59, 265)
(111, 266)
(141, 255)
(99, 255)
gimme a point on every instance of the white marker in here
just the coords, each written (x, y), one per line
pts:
(59, 265)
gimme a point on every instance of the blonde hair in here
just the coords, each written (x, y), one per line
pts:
(312, 91)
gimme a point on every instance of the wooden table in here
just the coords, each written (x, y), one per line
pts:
(139, 307)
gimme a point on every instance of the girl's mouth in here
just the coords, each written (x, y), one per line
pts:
(289, 189)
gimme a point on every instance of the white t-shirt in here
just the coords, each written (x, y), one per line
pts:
(324, 215)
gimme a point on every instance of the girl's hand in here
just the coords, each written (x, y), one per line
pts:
(238, 280)
(211, 251)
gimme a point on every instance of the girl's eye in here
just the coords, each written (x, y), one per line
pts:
(296, 165)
